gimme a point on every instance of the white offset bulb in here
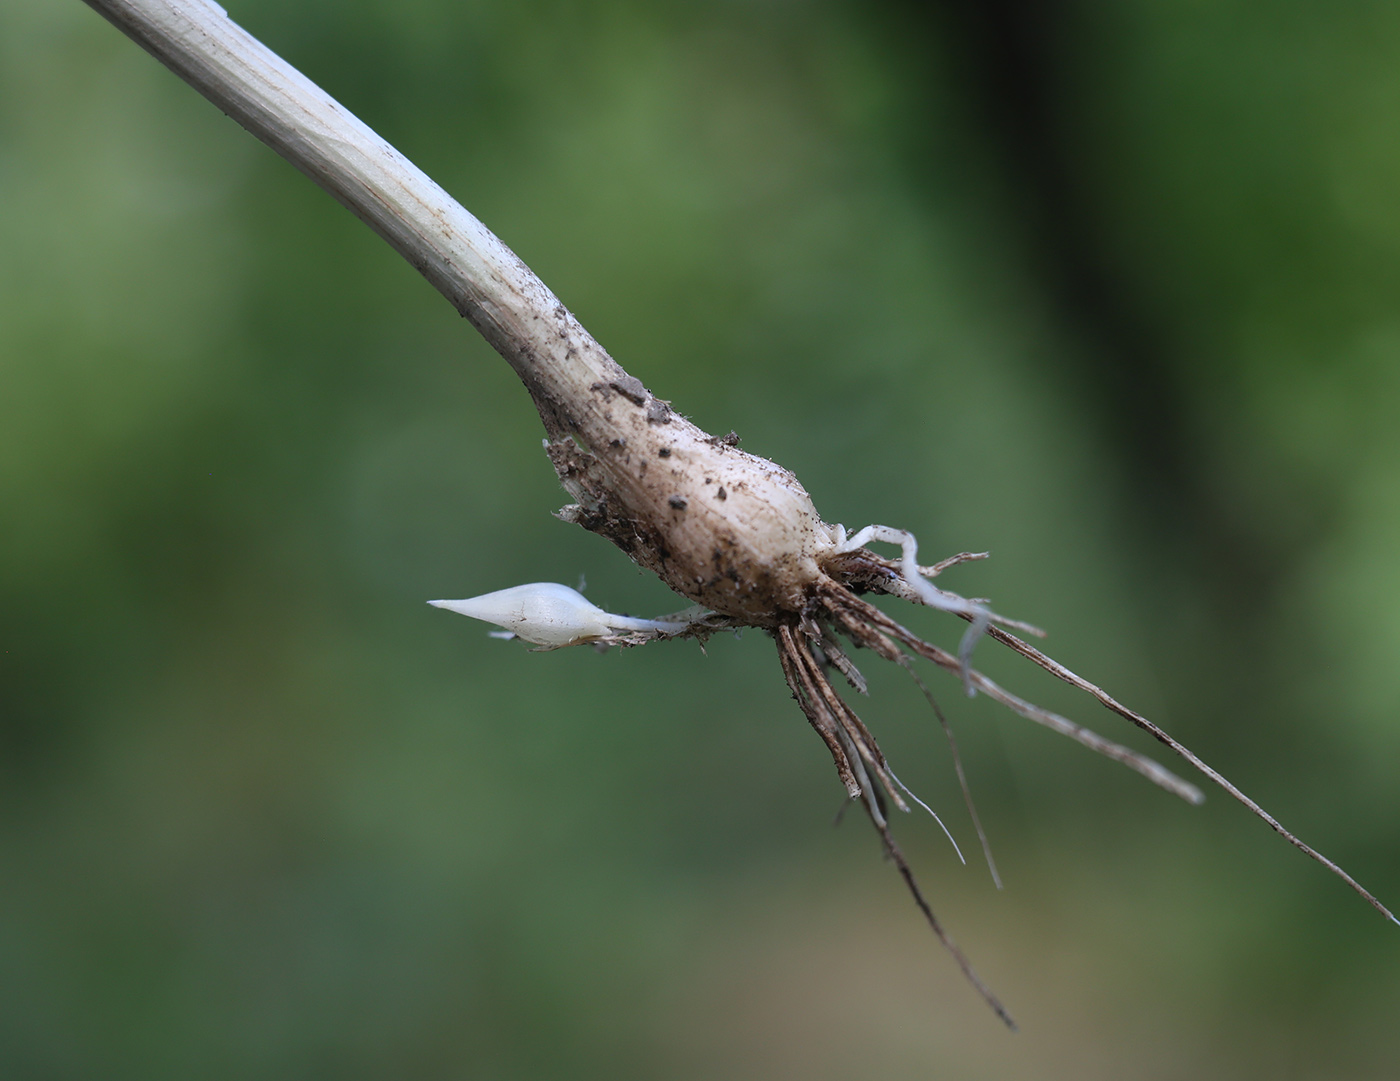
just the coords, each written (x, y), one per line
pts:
(550, 614)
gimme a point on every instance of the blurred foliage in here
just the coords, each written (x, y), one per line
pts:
(1109, 289)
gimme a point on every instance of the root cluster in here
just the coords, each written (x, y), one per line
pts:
(814, 637)
(810, 649)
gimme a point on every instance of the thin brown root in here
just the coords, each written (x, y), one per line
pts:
(854, 749)
(857, 736)
(969, 973)
(863, 620)
(1059, 670)
(870, 795)
(958, 768)
(870, 627)
(842, 663)
(1153, 771)
(821, 645)
(795, 673)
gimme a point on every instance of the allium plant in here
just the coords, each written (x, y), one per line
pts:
(733, 533)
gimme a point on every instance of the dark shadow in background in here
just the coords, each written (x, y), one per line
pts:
(1008, 65)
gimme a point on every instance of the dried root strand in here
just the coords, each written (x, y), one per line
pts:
(958, 769)
(795, 673)
(1166, 739)
(857, 742)
(870, 626)
(969, 973)
(866, 623)
(857, 756)
(836, 656)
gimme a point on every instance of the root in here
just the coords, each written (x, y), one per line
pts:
(916, 579)
(969, 973)
(957, 849)
(857, 756)
(796, 674)
(869, 626)
(827, 712)
(1167, 740)
(812, 644)
(957, 768)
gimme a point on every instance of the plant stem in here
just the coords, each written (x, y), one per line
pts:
(732, 532)
(481, 277)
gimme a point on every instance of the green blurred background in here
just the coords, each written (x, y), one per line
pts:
(1108, 289)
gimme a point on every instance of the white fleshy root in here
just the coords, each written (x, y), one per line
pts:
(941, 825)
(980, 615)
(553, 615)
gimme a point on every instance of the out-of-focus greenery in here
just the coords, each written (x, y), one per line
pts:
(1113, 291)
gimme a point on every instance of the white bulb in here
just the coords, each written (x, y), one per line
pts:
(550, 614)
